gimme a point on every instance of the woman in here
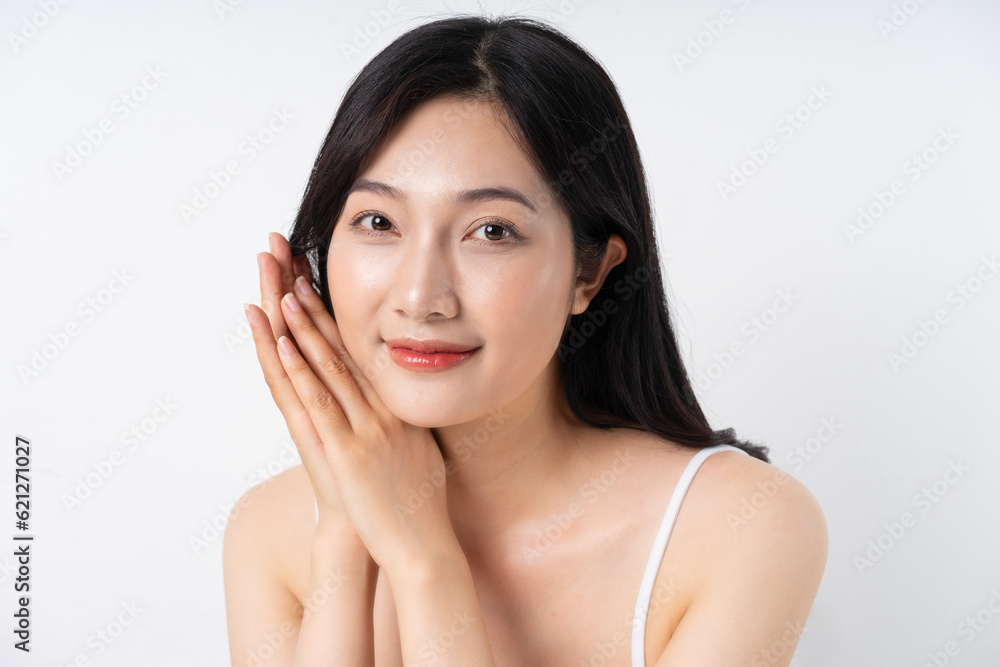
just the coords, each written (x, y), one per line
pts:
(493, 425)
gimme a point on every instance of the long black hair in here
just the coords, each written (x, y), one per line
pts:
(620, 364)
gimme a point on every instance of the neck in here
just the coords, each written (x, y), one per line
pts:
(503, 465)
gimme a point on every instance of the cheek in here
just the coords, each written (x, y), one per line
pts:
(354, 282)
(522, 307)
(352, 271)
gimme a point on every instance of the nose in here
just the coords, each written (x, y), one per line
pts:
(422, 288)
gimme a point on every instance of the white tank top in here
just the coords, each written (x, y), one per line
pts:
(659, 549)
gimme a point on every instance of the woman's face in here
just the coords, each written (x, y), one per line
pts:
(426, 262)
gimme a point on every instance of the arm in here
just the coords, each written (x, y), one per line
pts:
(439, 617)
(761, 579)
(263, 614)
(261, 611)
(337, 619)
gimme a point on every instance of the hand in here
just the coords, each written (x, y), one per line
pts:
(278, 270)
(378, 463)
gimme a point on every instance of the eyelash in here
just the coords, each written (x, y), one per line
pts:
(514, 237)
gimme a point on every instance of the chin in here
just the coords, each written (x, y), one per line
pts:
(416, 416)
(425, 411)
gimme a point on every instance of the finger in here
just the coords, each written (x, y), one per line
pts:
(271, 293)
(276, 282)
(325, 410)
(320, 318)
(302, 267)
(282, 252)
(328, 367)
(300, 425)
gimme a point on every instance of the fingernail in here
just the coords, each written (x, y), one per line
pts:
(270, 242)
(293, 303)
(246, 311)
(303, 286)
(285, 346)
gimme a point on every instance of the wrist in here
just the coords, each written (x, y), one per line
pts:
(339, 541)
(429, 569)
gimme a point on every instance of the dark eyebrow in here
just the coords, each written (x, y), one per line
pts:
(464, 197)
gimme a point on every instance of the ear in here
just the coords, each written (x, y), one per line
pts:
(584, 292)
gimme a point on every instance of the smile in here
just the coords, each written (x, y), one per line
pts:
(428, 362)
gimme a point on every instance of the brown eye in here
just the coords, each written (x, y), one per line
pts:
(377, 220)
(493, 230)
(497, 232)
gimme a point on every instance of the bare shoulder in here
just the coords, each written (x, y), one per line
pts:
(261, 553)
(274, 518)
(762, 544)
(737, 500)
(757, 504)
(734, 497)
(766, 539)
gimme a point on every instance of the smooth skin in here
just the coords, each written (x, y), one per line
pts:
(443, 536)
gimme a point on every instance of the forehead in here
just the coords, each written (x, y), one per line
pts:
(446, 145)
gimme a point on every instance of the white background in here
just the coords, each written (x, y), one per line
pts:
(175, 331)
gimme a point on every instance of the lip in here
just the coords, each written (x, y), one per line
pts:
(428, 355)
(429, 346)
